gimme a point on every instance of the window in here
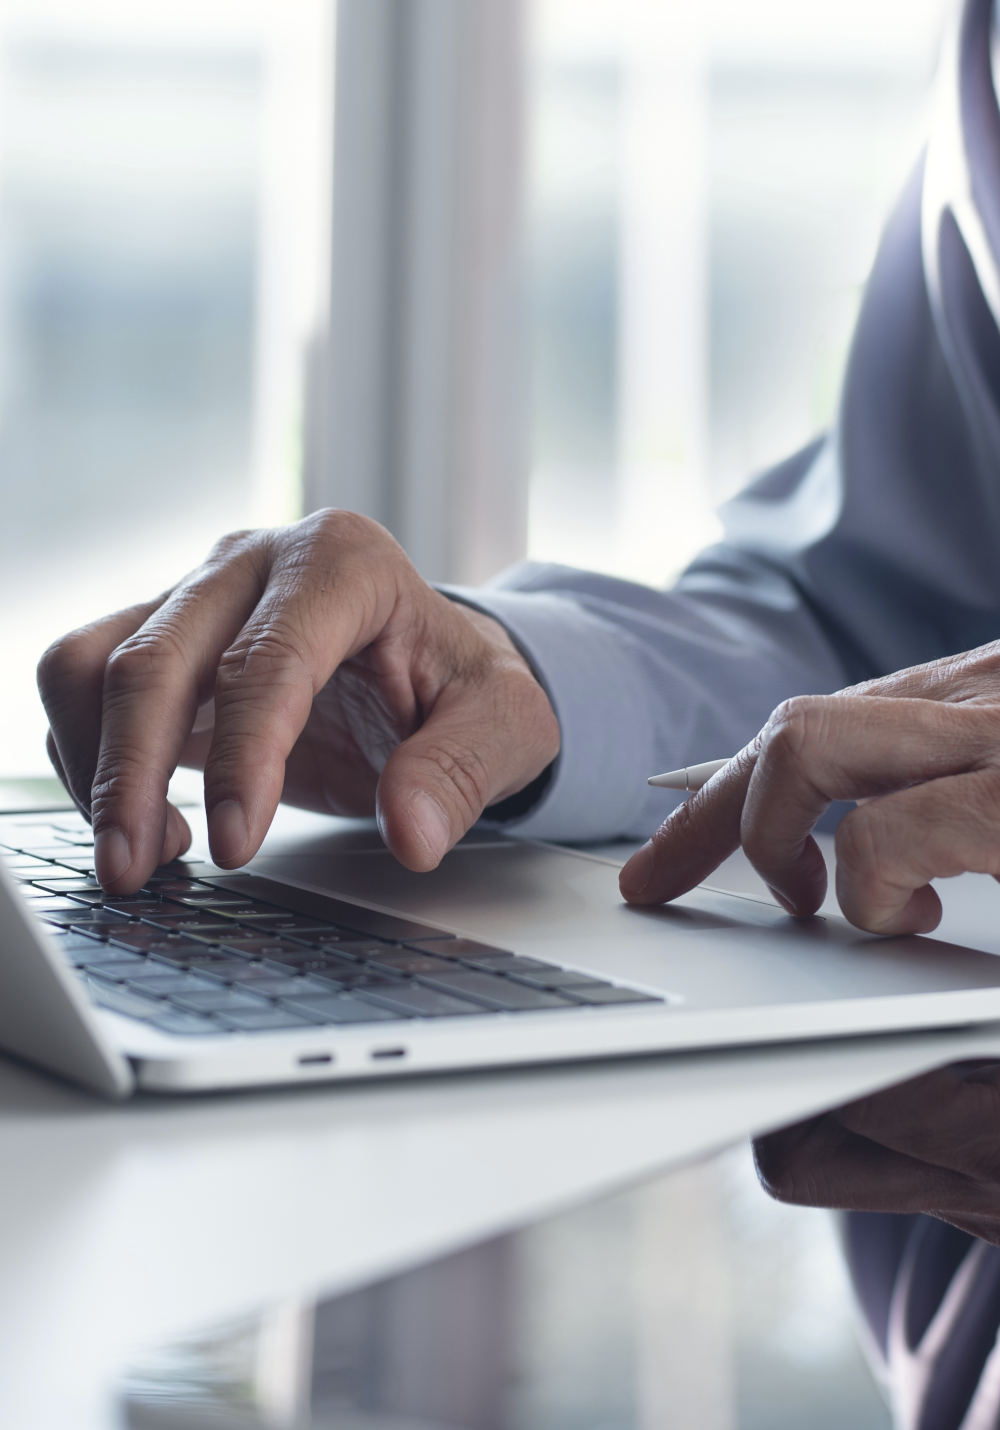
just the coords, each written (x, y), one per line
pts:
(161, 195)
(706, 186)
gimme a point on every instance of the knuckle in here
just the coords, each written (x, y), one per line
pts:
(680, 828)
(122, 771)
(466, 772)
(338, 525)
(59, 664)
(232, 544)
(142, 660)
(795, 726)
(272, 656)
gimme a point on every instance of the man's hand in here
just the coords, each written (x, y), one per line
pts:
(928, 1145)
(920, 753)
(309, 663)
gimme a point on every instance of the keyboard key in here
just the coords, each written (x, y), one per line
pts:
(47, 848)
(159, 979)
(168, 882)
(173, 916)
(150, 940)
(347, 975)
(86, 918)
(77, 948)
(194, 869)
(509, 963)
(256, 915)
(344, 1009)
(272, 985)
(21, 867)
(63, 881)
(552, 977)
(120, 1000)
(219, 965)
(217, 1000)
(264, 1020)
(79, 862)
(322, 937)
(612, 993)
(495, 992)
(463, 948)
(417, 1002)
(114, 970)
(328, 910)
(258, 945)
(188, 1024)
(408, 961)
(307, 959)
(196, 896)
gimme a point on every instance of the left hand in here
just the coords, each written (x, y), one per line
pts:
(920, 753)
(929, 1145)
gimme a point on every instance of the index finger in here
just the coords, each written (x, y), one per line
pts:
(331, 590)
(694, 839)
(152, 684)
(813, 750)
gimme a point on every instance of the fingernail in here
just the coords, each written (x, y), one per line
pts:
(786, 904)
(637, 873)
(432, 824)
(112, 855)
(228, 830)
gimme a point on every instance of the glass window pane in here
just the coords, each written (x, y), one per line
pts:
(154, 237)
(706, 183)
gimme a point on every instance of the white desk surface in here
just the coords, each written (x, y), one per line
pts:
(120, 1224)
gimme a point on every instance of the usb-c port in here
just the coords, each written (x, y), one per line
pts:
(311, 1058)
(388, 1053)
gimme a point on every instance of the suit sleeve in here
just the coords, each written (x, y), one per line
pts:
(876, 548)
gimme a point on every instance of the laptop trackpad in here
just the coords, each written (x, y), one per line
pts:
(709, 949)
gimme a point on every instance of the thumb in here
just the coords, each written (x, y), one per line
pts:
(479, 744)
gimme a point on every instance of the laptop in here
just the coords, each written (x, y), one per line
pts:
(324, 959)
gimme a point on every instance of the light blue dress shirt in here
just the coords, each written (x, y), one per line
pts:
(875, 548)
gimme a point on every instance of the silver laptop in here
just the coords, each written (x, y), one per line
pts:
(325, 959)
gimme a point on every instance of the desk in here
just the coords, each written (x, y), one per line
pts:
(121, 1224)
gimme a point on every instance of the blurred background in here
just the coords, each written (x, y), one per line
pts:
(524, 277)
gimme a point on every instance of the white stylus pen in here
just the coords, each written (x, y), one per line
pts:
(690, 778)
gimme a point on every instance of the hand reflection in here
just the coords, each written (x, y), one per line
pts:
(929, 1145)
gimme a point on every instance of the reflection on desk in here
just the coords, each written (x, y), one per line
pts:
(619, 1315)
(690, 1302)
(917, 1170)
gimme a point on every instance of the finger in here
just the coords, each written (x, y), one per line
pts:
(823, 1164)
(71, 684)
(481, 743)
(153, 682)
(694, 840)
(52, 751)
(816, 749)
(889, 850)
(176, 837)
(177, 834)
(947, 1117)
(322, 604)
(966, 676)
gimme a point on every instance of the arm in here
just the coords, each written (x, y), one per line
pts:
(872, 550)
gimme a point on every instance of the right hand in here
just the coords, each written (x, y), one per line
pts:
(310, 663)
(927, 1145)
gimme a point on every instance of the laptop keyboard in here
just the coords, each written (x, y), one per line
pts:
(199, 952)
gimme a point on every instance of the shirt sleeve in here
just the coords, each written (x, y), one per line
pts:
(874, 549)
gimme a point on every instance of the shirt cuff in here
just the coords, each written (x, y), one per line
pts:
(593, 681)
